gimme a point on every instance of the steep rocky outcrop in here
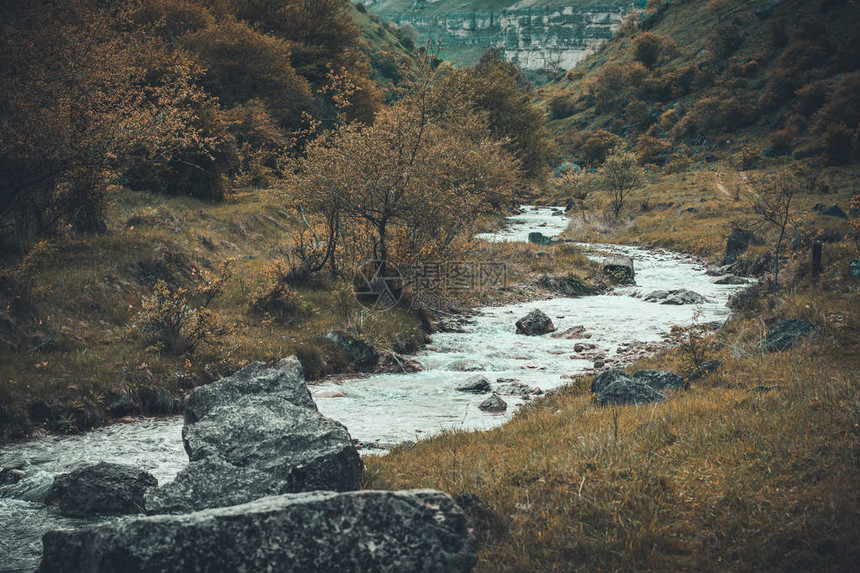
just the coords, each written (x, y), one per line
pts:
(417, 530)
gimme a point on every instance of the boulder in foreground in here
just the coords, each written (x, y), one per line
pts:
(626, 392)
(416, 531)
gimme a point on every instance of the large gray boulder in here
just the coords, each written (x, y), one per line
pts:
(362, 356)
(538, 238)
(736, 244)
(787, 333)
(535, 323)
(627, 392)
(254, 434)
(287, 380)
(659, 379)
(416, 531)
(100, 489)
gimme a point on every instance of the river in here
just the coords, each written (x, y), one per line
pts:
(384, 409)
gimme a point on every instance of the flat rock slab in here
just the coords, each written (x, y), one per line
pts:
(416, 531)
(676, 297)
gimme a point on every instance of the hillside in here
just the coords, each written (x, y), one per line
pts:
(540, 36)
(711, 97)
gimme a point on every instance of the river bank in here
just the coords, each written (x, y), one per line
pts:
(382, 410)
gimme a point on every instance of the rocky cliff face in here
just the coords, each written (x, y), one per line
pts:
(536, 38)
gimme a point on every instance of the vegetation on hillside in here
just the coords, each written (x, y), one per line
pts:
(190, 185)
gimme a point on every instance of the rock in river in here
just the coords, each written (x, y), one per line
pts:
(535, 323)
(257, 433)
(100, 489)
(416, 531)
(477, 384)
(676, 297)
(621, 269)
(493, 404)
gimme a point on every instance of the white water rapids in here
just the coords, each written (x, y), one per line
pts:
(390, 408)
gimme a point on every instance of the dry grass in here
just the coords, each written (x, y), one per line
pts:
(721, 477)
(695, 211)
(68, 342)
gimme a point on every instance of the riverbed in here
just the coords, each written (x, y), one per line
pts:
(381, 410)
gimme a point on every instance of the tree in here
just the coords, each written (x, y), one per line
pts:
(500, 88)
(411, 181)
(771, 198)
(243, 64)
(620, 176)
(77, 94)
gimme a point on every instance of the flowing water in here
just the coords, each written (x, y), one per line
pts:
(384, 409)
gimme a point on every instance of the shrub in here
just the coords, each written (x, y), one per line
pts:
(595, 146)
(726, 38)
(637, 113)
(177, 320)
(277, 298)
(647, 48)
(811, 97)
(651, 150)
(561, 106)
(716, 114)
(616, 84)
(836, 141)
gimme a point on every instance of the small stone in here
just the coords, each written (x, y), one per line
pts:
(475, 385)
(493, 404)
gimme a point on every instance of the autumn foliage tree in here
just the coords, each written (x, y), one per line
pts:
(76, 95)
(620, 176)
(412, 180)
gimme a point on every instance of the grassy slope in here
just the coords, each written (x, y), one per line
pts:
(708, 175)
(753, 468)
